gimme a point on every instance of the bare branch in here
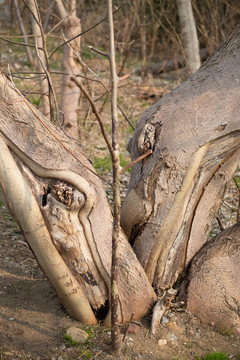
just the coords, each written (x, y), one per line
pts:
(98, 51)
(29, 54)
(140, 158)
(18, 43)
(95, 111)
(62, 20)
(84, 32)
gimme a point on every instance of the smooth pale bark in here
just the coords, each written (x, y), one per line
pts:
(70, 92)
(189, 34)
(26, 211)
(76, 213)
(217, 305)
(175, 193)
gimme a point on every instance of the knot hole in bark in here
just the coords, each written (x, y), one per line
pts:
(64, 193)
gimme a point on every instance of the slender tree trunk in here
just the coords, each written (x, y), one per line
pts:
(70, 65)
(29, 53)
(44, 86)
(189, 34)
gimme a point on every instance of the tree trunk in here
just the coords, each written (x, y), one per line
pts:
(189, 34)
(44, 86)
(213, 293)
(175, 193)
(173, 196)
(70, 65)
(28, 50)
(62, 209)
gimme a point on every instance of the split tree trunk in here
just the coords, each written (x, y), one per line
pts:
(62, 209)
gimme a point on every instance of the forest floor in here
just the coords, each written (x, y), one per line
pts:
(32, 320)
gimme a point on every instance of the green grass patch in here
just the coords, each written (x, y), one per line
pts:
(104, 164)
(70, 341)
(214, 356)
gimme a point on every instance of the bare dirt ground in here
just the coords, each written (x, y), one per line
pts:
(33, 322)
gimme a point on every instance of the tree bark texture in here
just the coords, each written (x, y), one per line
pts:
(205, 300)
(175, 193)
(189, 34)
(64, 214)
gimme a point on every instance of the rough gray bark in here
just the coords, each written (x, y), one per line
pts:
(73, 214)
(189, 34)
(175, 193)
(217, 305)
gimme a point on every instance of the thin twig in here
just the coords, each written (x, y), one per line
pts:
(102, 83)
(18, 43)
(116, 340)
(220, 223)
(62, 20)
(84, 32)
(50, 86)
(140, 158)
(32, 13)
(98, 51)
(29, 54)
(95, 111)
(127, 329)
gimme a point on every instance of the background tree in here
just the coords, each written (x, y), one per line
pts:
(41, 61)
(189, 34)
(70, 93)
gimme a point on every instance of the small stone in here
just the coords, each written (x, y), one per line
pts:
(162, 342)
(130, 339)
(134, 328)
(164, 320)
(172, 337)
(11, 319)
(77, 334)
(62, 347)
